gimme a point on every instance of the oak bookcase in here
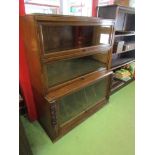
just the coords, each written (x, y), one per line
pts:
(69, 61)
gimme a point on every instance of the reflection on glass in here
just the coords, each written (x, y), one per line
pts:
(60, 38)
(65, 70)
(104, 38)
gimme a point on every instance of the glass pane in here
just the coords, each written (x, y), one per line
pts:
(60, 38)
(65, 70)
(71, 105)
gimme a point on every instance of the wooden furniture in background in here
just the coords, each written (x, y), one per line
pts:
(122, 2)
(124, 40)
(69, 60)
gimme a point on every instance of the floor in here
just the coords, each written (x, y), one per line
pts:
(110, 131)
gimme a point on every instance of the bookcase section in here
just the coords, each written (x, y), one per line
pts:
(68, 59)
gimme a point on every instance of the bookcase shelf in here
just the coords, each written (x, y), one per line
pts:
(124, 39)
(125, 34)
(117, 32)
(116, 85)
(119, 84)
(121, 62)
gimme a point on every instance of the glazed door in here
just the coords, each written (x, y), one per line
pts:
(76, 104)
(65, 70)
(57, 37)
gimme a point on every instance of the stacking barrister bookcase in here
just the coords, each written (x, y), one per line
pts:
(68, 59)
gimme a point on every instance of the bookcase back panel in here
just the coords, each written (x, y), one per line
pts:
(75, 103)
(125, 21)
(120, 21)
(57, 38)
(65, 70)
(125, 38)
(130, 22)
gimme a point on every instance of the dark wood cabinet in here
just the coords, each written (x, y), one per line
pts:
(124, 16)
(124, 40)
(69, 62)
